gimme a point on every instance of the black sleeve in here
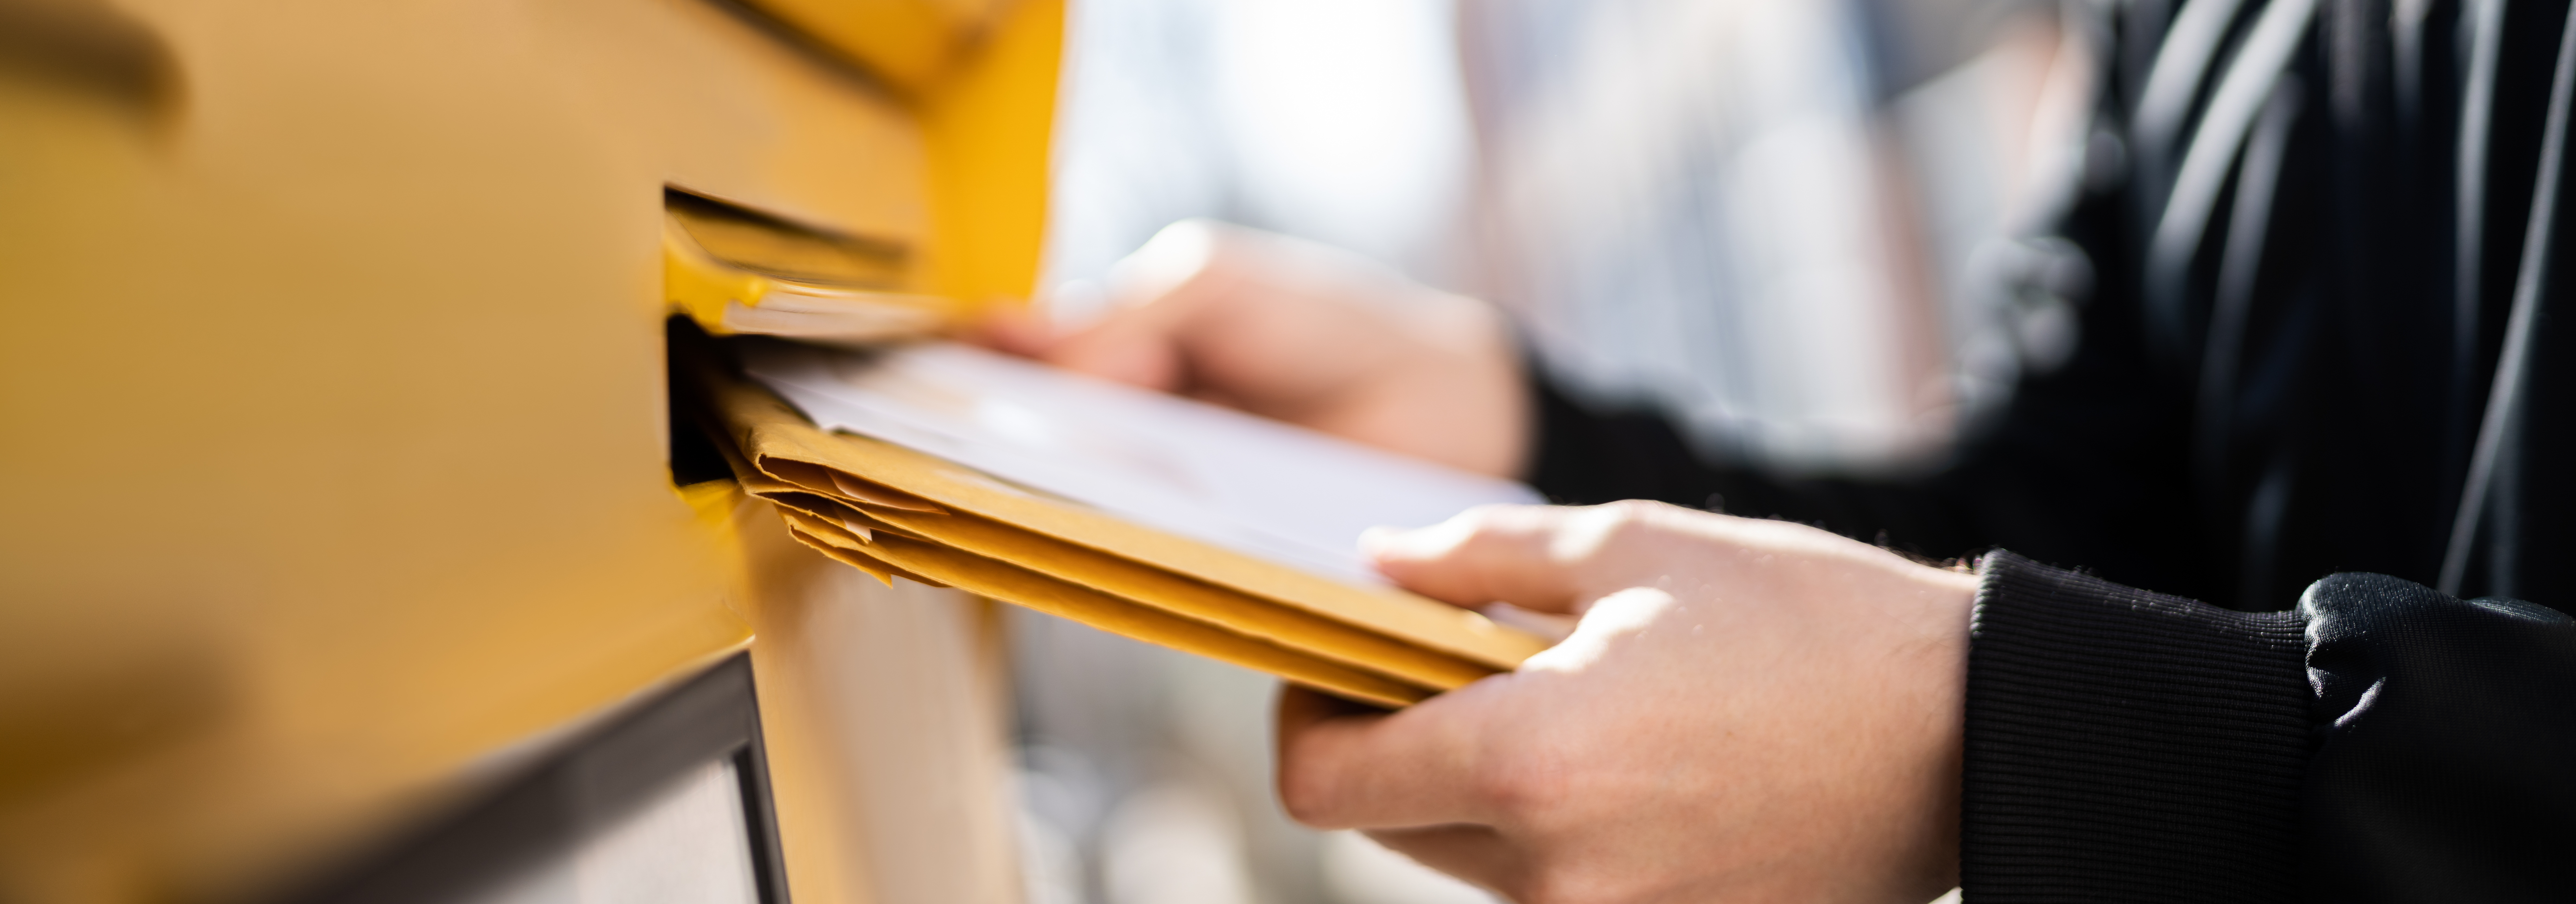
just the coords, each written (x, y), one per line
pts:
(2382, 742)
(1587, 456)
(2081, 468)
(2087, 464)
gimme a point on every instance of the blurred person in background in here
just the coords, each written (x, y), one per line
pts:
(2305, 411)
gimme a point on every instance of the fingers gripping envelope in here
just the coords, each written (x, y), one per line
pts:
(1158, 518)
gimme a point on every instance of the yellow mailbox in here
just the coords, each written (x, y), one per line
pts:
(333, 413)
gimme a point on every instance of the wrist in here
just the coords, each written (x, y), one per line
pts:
(1952, 613)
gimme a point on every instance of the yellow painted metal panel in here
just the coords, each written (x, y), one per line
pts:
(988, 128)
(906, 42)
(331, 392)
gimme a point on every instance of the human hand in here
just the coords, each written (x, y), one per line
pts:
(1306, 334)
(1746, 711)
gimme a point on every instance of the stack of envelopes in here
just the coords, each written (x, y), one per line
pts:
(893, 511)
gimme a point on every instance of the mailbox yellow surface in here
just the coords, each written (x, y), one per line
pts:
(331, 386)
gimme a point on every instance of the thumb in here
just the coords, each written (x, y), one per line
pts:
(1488, 554)
(1023, 330)
(1154, 298)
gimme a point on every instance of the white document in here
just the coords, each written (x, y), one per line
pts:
(1256, 486)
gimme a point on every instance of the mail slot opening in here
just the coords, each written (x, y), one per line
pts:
(693, 457)
(782, 248)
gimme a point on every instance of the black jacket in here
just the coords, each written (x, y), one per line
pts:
(2324, 369)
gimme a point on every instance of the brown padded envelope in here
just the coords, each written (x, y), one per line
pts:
(893, 512)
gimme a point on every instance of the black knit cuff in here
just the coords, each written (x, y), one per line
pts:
(2128, 746)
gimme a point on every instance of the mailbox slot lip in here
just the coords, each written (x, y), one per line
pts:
(736, 234)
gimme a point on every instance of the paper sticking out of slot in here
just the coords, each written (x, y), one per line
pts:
(860, 317)
(794, 291)
(898, 510)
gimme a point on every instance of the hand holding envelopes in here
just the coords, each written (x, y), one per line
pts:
(1047, 521)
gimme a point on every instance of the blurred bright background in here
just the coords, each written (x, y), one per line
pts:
(1794, 226)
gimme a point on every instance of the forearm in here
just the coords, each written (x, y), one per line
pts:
(2072, 474)
(1585, 456)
